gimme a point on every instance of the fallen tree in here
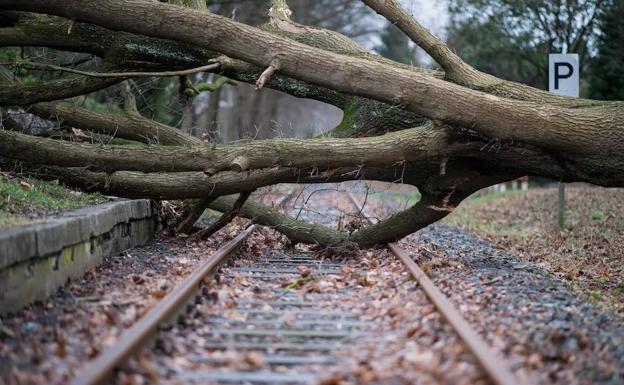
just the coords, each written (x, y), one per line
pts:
(449, 133)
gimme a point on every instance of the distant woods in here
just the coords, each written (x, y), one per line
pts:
(512, 39)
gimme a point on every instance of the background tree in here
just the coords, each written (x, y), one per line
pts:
(512, 38)
(607, 68)
(395, 45)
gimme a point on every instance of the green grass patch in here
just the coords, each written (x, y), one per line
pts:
(597, 215)
(28, 200)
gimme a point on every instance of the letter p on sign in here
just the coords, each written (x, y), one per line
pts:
(563, 74)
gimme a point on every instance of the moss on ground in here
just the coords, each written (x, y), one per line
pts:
(27, 200)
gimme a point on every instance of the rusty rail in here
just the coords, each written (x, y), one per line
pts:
(496, 367)
(99, 370)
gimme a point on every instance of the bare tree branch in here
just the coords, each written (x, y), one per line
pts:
(121, 125)
(417, 143)
(225, 218)
(45, 66)
(452, 64)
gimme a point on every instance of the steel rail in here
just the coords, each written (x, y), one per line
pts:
(99, 370)
(496, 367)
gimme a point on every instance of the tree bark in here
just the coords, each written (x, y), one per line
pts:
(323, 153)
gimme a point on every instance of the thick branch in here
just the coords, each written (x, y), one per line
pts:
(12, 94)
(121, 125)
(323, 153)
(111, 158)
(198, 185)
(428, 210)
(295, 230)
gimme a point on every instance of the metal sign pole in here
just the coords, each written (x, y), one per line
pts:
(563, 79)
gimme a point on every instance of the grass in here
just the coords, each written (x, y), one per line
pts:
(26, 200)
(587, 253)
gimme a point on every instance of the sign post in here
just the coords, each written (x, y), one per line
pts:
(563, 74)
(563, 79)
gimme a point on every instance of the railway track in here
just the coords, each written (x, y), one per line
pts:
(275, 339)
(494, 365)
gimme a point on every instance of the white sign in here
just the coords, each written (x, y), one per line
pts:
(563, 74)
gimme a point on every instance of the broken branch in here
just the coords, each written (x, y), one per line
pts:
(35, 65)
(266, 75)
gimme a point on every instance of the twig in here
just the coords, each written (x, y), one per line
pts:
(266, 75)
(297, 282)
(205, 68)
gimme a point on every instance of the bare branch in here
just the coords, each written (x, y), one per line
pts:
(392, 10)
(128, 126)
(29, 64)
(12, 94)
(417, 143)
(224, 219)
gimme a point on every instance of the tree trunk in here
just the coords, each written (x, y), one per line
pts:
(448, 133)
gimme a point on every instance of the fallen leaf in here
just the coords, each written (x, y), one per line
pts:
(255, 360)
(25, 185)
(137, 279)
